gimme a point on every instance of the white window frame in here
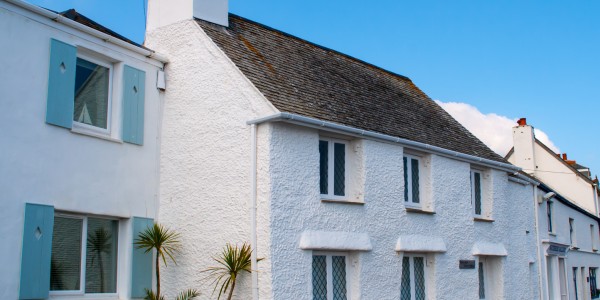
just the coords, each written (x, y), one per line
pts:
(81, 291)
(409, 202)
(482, 208)
(329, 272)
(572, 233)
(486, 278)
(426, 262)
(550, 216)
(330, 168)
(82, 127)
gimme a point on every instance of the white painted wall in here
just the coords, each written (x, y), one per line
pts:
(550, 169)
(41, 163)
(582, 257)
(205, 159)
(563, 180)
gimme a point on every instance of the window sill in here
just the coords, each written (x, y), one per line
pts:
(341, 201)
(419, 211)
(481, 219)
(83, 296)
(86, 132)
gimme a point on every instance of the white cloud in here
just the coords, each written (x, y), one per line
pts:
(494, 130)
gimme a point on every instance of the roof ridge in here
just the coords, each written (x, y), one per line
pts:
(319, 46)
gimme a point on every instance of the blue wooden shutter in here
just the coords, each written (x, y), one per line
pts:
(133, 105)
(36, 252)
(141, 263)
(61, 84)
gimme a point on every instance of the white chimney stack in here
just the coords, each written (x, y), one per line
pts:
(524, 141)
(165, 12)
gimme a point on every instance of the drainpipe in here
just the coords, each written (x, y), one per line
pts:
(595, 191)
(253, 242)
(537, 240)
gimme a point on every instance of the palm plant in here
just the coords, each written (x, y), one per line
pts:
(99, 242)
(232, 261)
(166, 243)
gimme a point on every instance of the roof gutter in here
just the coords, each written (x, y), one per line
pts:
(326, 125)
(101, 35)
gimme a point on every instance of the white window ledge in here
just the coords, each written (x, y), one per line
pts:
(84, 131)
(420, 243)
(335, 240)
(489, 249)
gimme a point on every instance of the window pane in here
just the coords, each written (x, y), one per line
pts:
(549, 212)
(101, 256)
(575, 284)
(481, 282)
(339, 277)
(319, 277)
(91, 94)
(339, 168)
(593, 284)
(65, 269)
(405, 179)
(415, 180)
(405, 288)
(477, 192)
(419, 278)
(323, 161)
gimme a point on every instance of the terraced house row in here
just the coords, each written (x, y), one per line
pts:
(348, 181)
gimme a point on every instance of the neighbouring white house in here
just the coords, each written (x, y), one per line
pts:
(348, 181)
(568, 227)
(567, 177)
(79, 165)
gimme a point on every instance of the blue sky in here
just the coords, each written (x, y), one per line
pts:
(534, 59)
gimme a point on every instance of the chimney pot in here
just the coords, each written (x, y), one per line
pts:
(564, 155)
(522, 121)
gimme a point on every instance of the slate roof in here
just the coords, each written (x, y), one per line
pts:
(303, 78)
(81, 19)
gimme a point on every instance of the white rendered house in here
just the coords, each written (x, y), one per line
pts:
(568, 234)
(80, 156)
(347, 179)
(561, 174)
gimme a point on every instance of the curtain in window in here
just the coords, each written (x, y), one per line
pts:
(65, 265)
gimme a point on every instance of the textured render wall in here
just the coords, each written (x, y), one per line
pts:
(296, 207)
(205, 157)
(41, 163)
